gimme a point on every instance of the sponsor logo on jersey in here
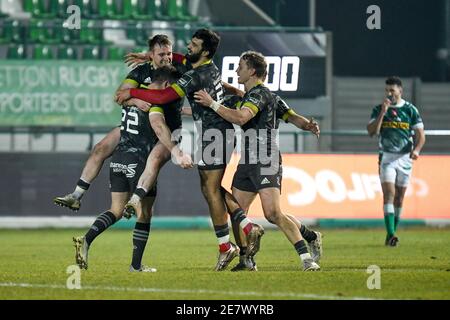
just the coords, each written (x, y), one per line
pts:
(265, 181)
(148, 80)
(255, 99)
(395, 125)
(185, 80)
(128, 170)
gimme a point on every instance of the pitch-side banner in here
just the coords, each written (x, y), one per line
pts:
(62, 93)
(348, 186)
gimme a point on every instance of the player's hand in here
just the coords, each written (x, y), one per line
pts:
(414, 155)
(203, 98)
(313, 126)
(184, 160)
(134, 59)
(122, 95)
(385, 105)
(142, 105)
(186, 111)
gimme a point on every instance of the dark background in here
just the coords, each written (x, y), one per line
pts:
(411, 33)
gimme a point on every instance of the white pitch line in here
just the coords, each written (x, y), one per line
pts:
(190, 291)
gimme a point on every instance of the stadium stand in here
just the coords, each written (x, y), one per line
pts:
(104, 23)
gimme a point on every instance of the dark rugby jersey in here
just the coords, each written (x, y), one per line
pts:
(283, 111)
(136, 134)
(207, 77)
(142, 77)
(260, 130)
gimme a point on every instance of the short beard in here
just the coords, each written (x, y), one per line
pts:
(193, 58)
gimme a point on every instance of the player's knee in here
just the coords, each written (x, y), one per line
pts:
(388, 197)
(272, 216)
(145, 216)
(398, 200)
(212, 195)
(101, 150)
(117, 213)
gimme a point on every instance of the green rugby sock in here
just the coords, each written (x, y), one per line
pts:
(398, 213)
(389, 219)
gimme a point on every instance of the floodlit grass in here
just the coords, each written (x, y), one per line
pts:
(33, 265)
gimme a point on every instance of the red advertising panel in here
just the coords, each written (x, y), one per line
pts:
(348, 186)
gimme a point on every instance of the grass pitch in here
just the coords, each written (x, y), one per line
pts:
(33, 265)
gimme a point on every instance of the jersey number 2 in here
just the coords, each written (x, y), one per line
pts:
(131, 119)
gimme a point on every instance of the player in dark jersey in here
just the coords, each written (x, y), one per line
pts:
(216, 137)
(137, 140)
(260, 165)
(160, 52)
(314, 238)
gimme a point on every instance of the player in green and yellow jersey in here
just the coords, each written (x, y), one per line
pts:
(394, 121)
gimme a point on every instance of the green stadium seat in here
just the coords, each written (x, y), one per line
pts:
(41, 8)
(49, 9)
(91, 53)
(89, 8)
(42, 52)
(69, 36)
(61, 10)
(137, 9)
(138, 32)
(120, 10)
(90, 33)
(157, 7)
(67, 53)
(17, 31)
(32, 7)
(43, 31)
(178, 10)
(16, 52)
(182, 38)
(105, 9)
(37, 32)
(5, 32)
(117, 53)
(11, 31)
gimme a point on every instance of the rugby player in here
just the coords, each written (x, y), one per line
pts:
(393, 122)
(256, 175)
(216, 134)
(313, 238)
(128, 161)
(160, 52)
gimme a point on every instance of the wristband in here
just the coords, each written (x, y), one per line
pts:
(214, 105)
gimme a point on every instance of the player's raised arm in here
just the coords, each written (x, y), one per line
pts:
(374, 125)
(303, 123)
(153, 96)
(229, 89)
(133, 59)
(132, 80)
(239, 117)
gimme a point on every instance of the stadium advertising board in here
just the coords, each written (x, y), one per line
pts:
(59, 93)
(80, 93)
(347, 186)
